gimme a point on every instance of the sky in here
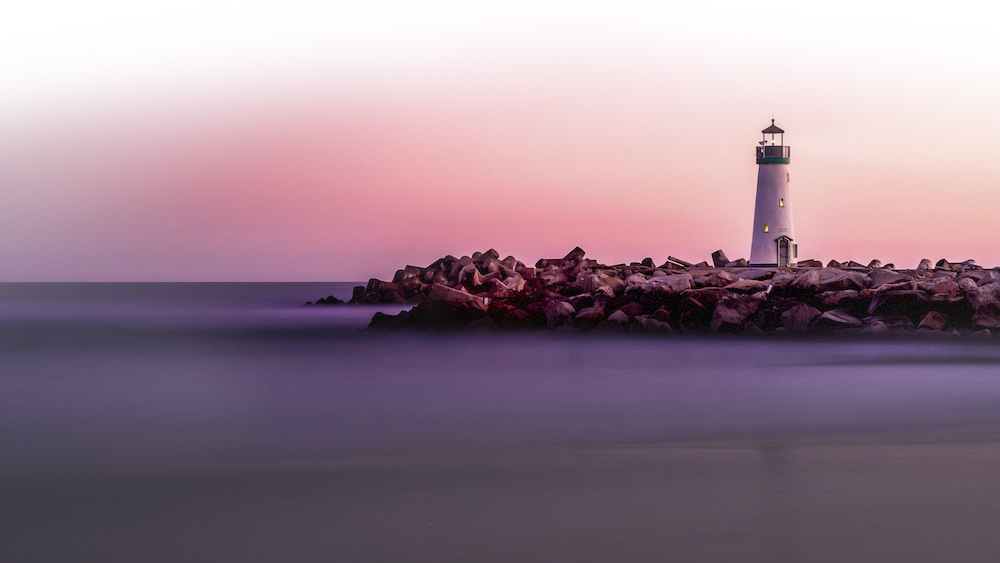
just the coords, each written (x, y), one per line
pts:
(313, 141)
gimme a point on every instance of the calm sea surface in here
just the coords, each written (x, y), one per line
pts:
(226, 422)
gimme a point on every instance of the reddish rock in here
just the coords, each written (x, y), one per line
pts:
(647, 324)
(799, 317)
(747, 286)
(558, 313)
(933, 320)
(836, 319)
(733, 311)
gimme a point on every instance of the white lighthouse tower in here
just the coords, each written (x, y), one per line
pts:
(773, 231)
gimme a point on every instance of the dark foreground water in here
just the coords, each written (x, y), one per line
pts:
(223, 422)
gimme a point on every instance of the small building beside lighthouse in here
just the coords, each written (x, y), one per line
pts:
(773, 242)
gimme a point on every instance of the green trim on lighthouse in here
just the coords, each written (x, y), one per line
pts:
(772, 160)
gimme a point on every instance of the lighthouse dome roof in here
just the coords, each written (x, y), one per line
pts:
(773, 129)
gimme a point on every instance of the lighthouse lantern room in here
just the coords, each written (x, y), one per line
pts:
(773, 242)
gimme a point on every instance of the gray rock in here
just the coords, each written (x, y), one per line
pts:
(738, 263)
(678, 261)
(925, 264)
(719, 259)
(876, 263)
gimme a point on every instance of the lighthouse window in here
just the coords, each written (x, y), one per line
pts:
(766, 227)
(781, 202)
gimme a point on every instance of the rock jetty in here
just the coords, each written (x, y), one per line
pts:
(574, 293)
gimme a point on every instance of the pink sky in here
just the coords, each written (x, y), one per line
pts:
(320, 142)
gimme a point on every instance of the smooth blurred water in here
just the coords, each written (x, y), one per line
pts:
(226, 422)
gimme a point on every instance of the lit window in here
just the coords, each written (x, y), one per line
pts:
(766, 228)
(781, 202)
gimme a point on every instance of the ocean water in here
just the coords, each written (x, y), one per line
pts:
(226, 422)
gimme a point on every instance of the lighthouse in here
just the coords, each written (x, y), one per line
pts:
(773, 231)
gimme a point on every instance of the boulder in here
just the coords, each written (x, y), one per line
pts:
(738, 263)
(662, 314)
(808, 263)
(733, 311)
(453, 299)
(719, 259)
(357, 294)
(747, 286)
(328, 300)
(677, 261)
(910, 302)
(470, 276)
(498, 290)
(985, 296)
(925, 264)
(799, 317)
(781, 280)
(837, 298)
(756, 274)
(876, 263)
(558, 313)
(635, 280)
(829, 279)
(669, 285)
(647, 262)
(595, 312)
(986, 318)
(383, 321)
(717, 278)
(647, 324)
(575, 255)
(933, 320)
(617, 320)
(834, 264)
(514, 283)
(836, 319)
(882, 277)
(632, 308)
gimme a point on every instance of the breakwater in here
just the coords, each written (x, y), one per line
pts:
(575, 293)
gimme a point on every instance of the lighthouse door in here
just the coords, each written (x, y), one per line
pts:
(783, 246)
